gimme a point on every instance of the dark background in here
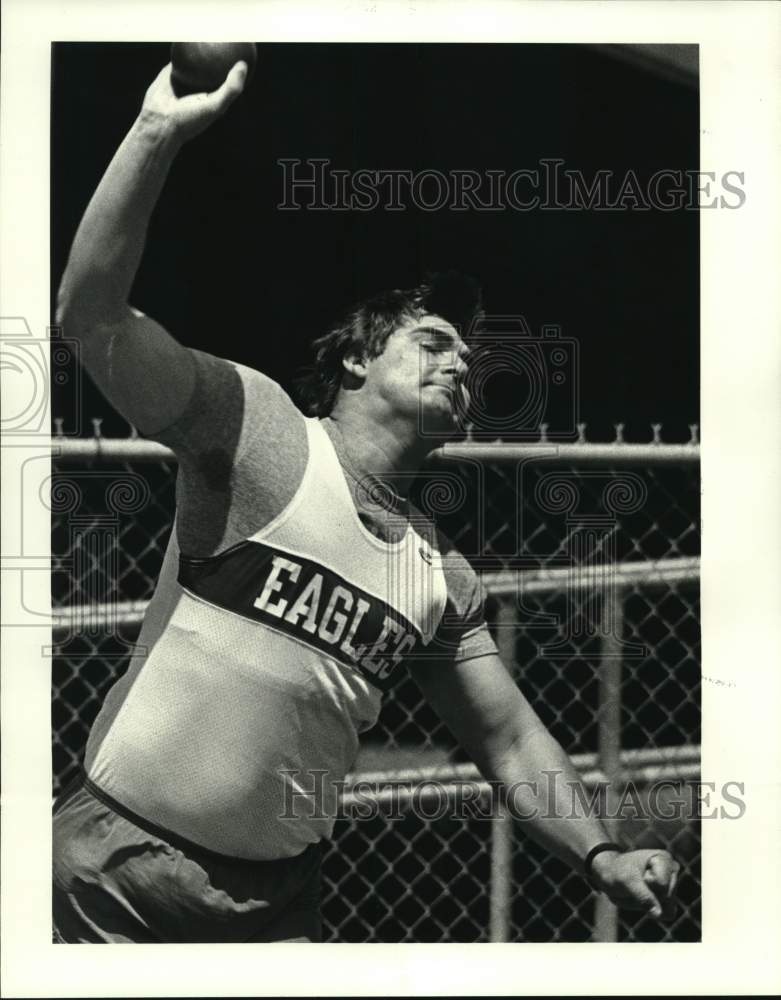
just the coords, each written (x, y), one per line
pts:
(227, 272)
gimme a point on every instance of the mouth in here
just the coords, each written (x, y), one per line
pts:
(448, 386)
(456, 392)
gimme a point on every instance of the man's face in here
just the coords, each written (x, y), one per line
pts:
(420, 373)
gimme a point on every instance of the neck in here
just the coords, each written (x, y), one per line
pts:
(383, 450)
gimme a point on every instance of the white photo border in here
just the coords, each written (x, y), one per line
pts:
(740, 66)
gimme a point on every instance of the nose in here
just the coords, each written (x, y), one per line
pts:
(457, 364)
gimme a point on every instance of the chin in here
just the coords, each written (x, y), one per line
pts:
(441, 423)
(441, 417)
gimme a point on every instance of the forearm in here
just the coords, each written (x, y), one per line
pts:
(109, 242)
(544, 790)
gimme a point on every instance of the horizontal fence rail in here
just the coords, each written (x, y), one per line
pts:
(548, 581)
(142, 450)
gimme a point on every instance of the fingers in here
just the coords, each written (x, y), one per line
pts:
(661, 876)
(674, 880)
(646, 881)
(646, 899)
(233, 84)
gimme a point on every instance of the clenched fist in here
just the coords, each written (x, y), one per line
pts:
(638, 880)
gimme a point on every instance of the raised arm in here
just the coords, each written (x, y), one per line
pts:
(142, 370)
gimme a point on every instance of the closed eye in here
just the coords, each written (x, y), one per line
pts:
(435, 341)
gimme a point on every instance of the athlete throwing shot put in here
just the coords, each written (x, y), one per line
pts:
(298, 582)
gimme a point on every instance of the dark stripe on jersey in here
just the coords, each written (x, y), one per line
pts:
(306, 601)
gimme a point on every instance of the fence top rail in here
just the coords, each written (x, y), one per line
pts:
(545, 580)
(109, 450)
(141, 450)
(618, 452)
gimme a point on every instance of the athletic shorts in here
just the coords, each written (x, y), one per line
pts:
(114, 882)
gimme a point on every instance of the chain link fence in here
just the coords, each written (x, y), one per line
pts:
(589, 556)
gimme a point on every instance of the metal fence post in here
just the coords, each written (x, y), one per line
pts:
(501, 876)
(501, 888)
(609, 731)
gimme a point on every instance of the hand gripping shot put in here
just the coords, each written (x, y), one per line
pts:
(299, 582)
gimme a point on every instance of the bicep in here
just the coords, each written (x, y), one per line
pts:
(141, 369)
(480, 703)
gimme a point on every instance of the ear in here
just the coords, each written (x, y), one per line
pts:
(355, 364)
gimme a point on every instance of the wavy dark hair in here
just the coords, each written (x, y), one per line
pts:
(366, 327)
